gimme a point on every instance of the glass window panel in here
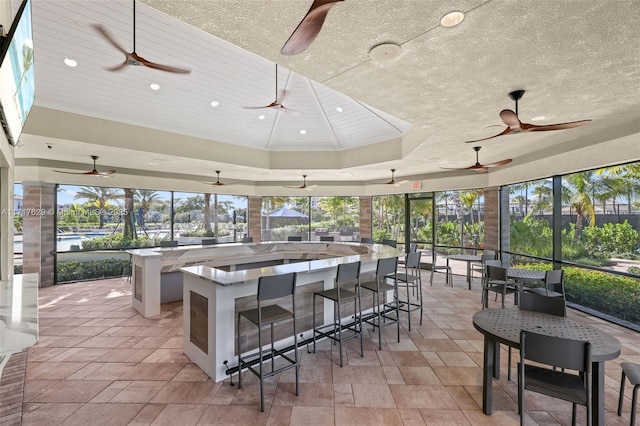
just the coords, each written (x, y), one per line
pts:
(284, 217)
(530, 219)
(337, 217)
(388, 218)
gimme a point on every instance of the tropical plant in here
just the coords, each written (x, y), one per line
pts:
(99, 195)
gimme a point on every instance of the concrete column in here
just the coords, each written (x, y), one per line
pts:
(365, 217)
(491, 218)
(38, 226)
(254, 217)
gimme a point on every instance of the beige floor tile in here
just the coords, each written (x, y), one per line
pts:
(312, 416)
(187, 393)
(376, 396)
(234, 415)
(71, 391)
(180, 414)
(422, 396)
(108, 414)
(147, 415)
(433, 376)
(358, 416)
(139, 391)
(48, 414)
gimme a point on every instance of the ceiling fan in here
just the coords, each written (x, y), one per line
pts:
(514, 125)
(393, 181)
(132, 58)
(480, 168)
(309, 28)
(217, 182)
(93, 172)
(279, 101)
(304, 185)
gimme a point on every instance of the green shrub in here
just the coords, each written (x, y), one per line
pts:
(116, 241)
(198, 233)
(634, 270)
(381, 234)
(79, 271)
(611, 239)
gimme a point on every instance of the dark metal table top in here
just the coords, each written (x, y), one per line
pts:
(504, 325)
(465, 257)
(525, 274)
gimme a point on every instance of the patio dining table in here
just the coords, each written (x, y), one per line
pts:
(469, 258)
(504, 325)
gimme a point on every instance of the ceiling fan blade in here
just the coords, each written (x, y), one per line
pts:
(559, 126)
(309, 28)
(506, 131)
(168, 68)
(105, 34)
(103, 173)
(497, 163)
(119, 67)
(271, 105)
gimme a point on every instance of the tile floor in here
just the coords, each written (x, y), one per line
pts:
(98, 362)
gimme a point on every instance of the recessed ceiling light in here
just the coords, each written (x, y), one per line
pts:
(70, 62)
(154, 86)
(452, 19)
(385, 52)
(215, 103)
(261, 117)
(303, 132)
(538, 118)
(339, 109)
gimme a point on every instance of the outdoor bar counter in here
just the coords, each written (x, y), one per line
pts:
(212, 296)
(157, 279)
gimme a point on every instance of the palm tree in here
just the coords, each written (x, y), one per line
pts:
(129, 232)
(100, 195)
(581, 185)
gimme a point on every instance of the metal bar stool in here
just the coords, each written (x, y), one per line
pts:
(411, 280)
(348, 273)
(269, 288)
(383, 311)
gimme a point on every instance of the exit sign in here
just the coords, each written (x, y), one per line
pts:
(416, 186)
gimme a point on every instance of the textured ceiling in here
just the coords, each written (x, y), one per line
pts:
(577, 59)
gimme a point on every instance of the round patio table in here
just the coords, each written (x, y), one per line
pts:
(504, 325)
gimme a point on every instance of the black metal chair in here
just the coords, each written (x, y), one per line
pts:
(496, 281)
(294, 238)
(348, 273)
(435, 268)
(479, 267)
(366, 240)
(631, 371)
(383, 310)
(411, 280)
(553, 284)
(168, 243)
(391, 243)
(209, 241)
(538, 303)
(326, 238)
(247, 239)
(559, 353)
(270, 288)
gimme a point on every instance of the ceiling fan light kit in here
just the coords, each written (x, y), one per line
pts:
(514, 125)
